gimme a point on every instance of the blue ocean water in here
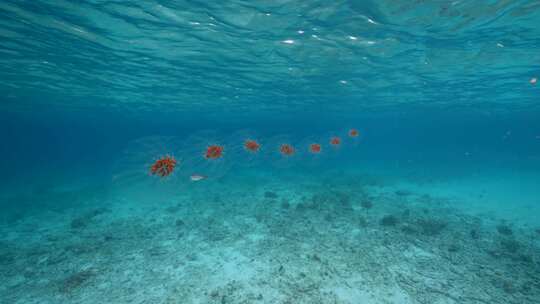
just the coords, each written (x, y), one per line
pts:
(436, 201)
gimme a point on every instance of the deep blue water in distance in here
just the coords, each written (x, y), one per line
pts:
(95, 140)
(437, 201)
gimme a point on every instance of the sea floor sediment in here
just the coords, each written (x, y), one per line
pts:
(272, 239)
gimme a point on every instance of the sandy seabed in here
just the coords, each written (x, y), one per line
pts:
(342, 238)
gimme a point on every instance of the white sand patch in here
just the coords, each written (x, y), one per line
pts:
(229, 265)
(419, 253)
(354, 295)
(351, 295)
(503, 194)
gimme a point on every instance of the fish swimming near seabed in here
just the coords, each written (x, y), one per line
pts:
(196, 177)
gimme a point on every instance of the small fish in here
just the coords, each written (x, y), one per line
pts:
(196, 177)
(533, 80)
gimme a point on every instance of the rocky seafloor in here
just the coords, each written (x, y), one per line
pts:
(341, 239)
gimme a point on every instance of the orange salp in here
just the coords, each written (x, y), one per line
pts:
(163, 167)
(214, 152)
(286, 149)
(335, 141)
(315, 148)
(252, 145)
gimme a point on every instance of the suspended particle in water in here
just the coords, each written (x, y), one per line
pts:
(252, 146)
(214, 152)
(353, 133)
(335, 141)
(286, 150)
(163, 167)
(533, 80)
(315, 148)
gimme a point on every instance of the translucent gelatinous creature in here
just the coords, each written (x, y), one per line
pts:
(315, 148)
(252, 146)
(163, 167)
(214, 152)
(335, 141)
(286, 150)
